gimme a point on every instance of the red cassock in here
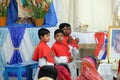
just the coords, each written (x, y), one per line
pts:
(59, 49)
(43, 50)
(73, 44)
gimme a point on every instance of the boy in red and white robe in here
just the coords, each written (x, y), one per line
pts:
(60, 50)
(43, 52)
(72, 44)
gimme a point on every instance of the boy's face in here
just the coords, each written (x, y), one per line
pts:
(59, 37)
(69, 30)
(46, 37)
(65, 30)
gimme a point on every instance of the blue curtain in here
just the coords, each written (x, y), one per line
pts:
(12, 12)
(50, 18)
(16, 37)
(33, 33)
(3, 35)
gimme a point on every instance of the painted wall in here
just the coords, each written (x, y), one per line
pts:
(96, 13)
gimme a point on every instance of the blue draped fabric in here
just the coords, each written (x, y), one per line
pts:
(3, 35)
(50, 17)
(33, 33)
(12, 12)
(16, 37)
(21, 25)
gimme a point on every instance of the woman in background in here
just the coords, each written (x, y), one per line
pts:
(88, 70)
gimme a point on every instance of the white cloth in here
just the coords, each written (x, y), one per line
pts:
(106, 71)
(61, 59)
(73, 50)
(73, 71)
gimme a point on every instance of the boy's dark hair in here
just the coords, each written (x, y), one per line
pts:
(48, 71)
(58, 31)
(64, 65)
(42, 32)
(62, 25)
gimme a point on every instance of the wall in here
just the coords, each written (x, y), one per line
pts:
(96, 13)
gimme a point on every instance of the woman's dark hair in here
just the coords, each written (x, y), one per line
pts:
(42, 32)
(48, 71)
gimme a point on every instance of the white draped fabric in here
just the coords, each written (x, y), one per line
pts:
(109, 74)
(26, 48)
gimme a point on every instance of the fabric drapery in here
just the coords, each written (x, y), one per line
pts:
(12, 12)
(3, 35)
(33, 32)
(63, 74)
(101, 49)
(16, 37)
(88, 70)
(50, 17)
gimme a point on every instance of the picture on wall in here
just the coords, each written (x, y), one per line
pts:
(114, 42)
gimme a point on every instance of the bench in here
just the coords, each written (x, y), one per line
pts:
(19, 68)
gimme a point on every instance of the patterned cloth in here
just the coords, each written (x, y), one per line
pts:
(63, 73)
(88, 70)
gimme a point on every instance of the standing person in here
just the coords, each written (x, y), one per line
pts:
(72, 44)
(43, 53)
(89, 70)
(68, 39)
(115, 50)
(61, 52)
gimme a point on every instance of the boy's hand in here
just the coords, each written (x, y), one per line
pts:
(71, 58)
(69, 40)
(52, 54)
(77, 40)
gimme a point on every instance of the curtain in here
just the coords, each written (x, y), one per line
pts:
(16, 37)
(33, 33)
(12, 12)
(3, 35)
(50, 17)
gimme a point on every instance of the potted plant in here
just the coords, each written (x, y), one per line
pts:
(39, 9)
(3, 11)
